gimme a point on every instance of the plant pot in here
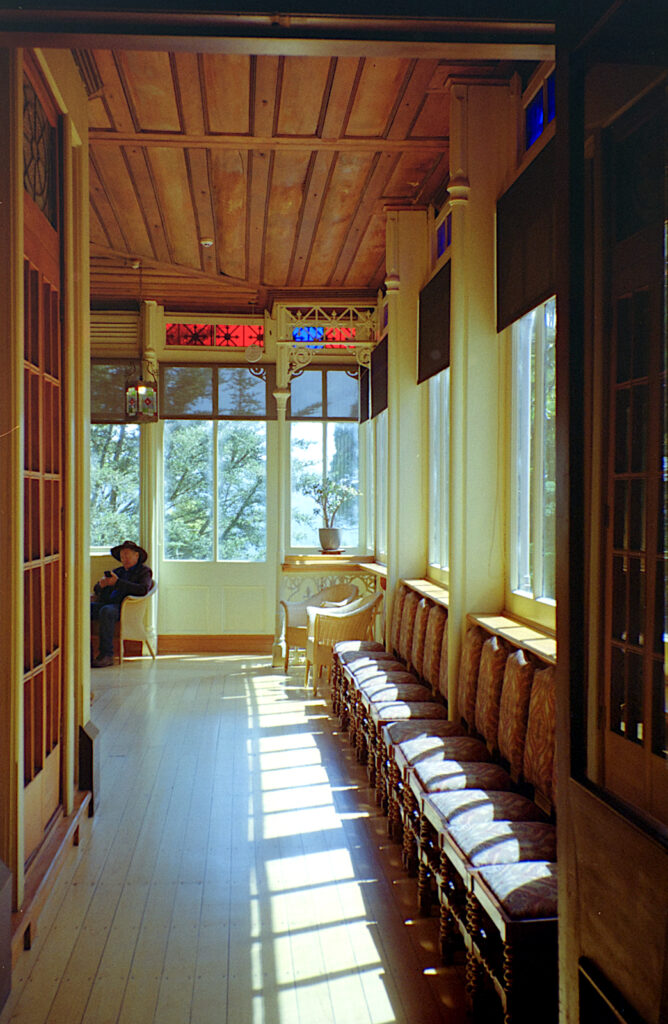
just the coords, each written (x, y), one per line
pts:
(330, 539)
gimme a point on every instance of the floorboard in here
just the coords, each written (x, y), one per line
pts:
(237, 869)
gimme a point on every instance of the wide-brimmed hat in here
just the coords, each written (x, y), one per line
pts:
(116, 552)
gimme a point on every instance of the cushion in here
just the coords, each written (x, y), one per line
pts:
(396, 691)
(443, 664)
(376, 670)
(467, 682)
(514, 710)
(397, 711)
(523, 891)
(398, 732)
(436, 776)
(400, 592)
(490, 682)
(433, 643)
(441, 748)
(538, 768)
(505, 842)
(363, 657)
(352, 646)
(408, 614)
(416, 659)
(478, 805)
(381, 680)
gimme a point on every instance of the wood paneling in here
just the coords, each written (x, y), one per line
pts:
(286, 162)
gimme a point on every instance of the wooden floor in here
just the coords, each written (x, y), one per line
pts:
(236, 871)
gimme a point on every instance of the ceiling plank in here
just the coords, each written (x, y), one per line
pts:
(303, 85)
(227, 85)
(149, 88)
(121, 189)
(113, 93)
(136, 160)
(369, 199)
(104, 208)
(347, 183)
(170, 177)
(229, 185)
(375, 97)
(198, 167)
(189, 92)
(265, 72)
(314, 193)
(289, 173)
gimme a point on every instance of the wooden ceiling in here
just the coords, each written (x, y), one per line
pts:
(286, 164)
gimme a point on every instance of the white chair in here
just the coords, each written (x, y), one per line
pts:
(296, 620)
(326, 626)
(133, 620)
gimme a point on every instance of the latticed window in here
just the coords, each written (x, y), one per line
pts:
(214, 335)
(40, 179)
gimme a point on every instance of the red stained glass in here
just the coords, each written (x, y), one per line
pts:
(215, 335)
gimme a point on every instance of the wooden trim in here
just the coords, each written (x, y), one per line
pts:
(43, 871)
(233, 643)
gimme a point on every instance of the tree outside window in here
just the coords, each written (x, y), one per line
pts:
(114, 483)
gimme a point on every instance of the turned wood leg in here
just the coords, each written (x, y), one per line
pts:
(507, 969)
(408, 848)
(447, 930)
(474, 974)
(393, 809)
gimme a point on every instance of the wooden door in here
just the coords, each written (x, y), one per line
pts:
(635, 735)
(43, 462)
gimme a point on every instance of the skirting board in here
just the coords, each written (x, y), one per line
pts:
(239, 643)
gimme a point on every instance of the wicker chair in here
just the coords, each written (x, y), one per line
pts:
(133, 620)
(327, 626)
(296, 618)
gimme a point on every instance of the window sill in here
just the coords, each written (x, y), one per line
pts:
(427, 588)
(520, 634)
(298, 563)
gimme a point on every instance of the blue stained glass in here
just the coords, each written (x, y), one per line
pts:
(448, 232)
(551, 101)
(534, 119)
(440, 239)
(308, 333)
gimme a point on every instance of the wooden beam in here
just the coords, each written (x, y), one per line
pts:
(101, 137)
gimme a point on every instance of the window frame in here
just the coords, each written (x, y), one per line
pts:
(439, 455)
(519, 601)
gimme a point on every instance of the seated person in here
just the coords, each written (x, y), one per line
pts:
(132, 577)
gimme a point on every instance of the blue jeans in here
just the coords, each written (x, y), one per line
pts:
(107, 615)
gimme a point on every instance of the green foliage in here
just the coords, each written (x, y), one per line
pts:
(114, 483)
(241, 486)
(242, 491)
(188, 490)
(328, 494)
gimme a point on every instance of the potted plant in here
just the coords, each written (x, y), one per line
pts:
(329, 496)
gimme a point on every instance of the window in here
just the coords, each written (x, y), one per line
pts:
(114, 483)
(532, 541)
(215, 444)
(381, 425)
(439, 469)
(324, 444)
(539, 111)
(203, 458)
(323, 450)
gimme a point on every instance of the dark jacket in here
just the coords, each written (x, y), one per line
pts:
(135, 581)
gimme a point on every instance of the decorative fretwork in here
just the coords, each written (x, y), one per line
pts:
(39, 155)
(308, 332)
